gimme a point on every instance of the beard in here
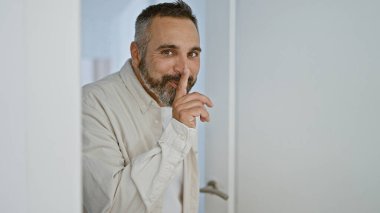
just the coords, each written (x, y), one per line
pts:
(161, 88)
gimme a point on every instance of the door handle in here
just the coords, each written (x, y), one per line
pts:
(212, 188)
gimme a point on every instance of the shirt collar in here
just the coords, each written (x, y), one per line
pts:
(143, 99)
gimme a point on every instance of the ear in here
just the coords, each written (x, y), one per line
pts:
(135, 54)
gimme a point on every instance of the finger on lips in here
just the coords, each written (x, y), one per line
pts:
(193, 104)
(182, 85)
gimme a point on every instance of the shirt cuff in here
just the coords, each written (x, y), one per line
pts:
(179, 136)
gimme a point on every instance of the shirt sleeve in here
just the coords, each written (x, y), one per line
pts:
(112, 183)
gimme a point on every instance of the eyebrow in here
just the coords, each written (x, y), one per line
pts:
(172, 46)
(167, 46)
(196, 49)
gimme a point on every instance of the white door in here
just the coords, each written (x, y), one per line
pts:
(40, 160)
(307, 106)
(220, 86)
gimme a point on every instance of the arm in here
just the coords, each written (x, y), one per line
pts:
(115, 183)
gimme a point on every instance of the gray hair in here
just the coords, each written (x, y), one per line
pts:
(178, 9)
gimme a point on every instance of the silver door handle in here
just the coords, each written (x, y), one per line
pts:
(212, 188)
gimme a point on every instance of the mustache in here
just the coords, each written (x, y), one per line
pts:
(176, 79)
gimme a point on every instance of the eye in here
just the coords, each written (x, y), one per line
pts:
(167, 52)
(193, 54)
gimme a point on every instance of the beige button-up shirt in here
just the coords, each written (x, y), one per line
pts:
(128, 159)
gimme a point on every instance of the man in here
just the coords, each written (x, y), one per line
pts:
(139, 136)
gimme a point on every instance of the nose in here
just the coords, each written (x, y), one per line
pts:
(181, 65)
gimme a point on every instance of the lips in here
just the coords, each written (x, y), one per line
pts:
(173, 83)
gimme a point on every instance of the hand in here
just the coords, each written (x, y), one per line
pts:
(187, 107)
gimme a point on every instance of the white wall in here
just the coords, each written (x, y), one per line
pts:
(217, 86)
(40, 106)
(308, 106)
(13, 168)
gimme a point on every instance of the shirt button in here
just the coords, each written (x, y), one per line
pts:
(183, 137)
(156, 121)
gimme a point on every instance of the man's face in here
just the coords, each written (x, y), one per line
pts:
(173, 48)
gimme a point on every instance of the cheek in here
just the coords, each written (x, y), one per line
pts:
(194, 67)
(157, 70)
(161, 67)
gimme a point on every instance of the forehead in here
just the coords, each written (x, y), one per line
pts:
(177, 31)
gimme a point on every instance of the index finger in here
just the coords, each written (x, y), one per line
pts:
(182, 85)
